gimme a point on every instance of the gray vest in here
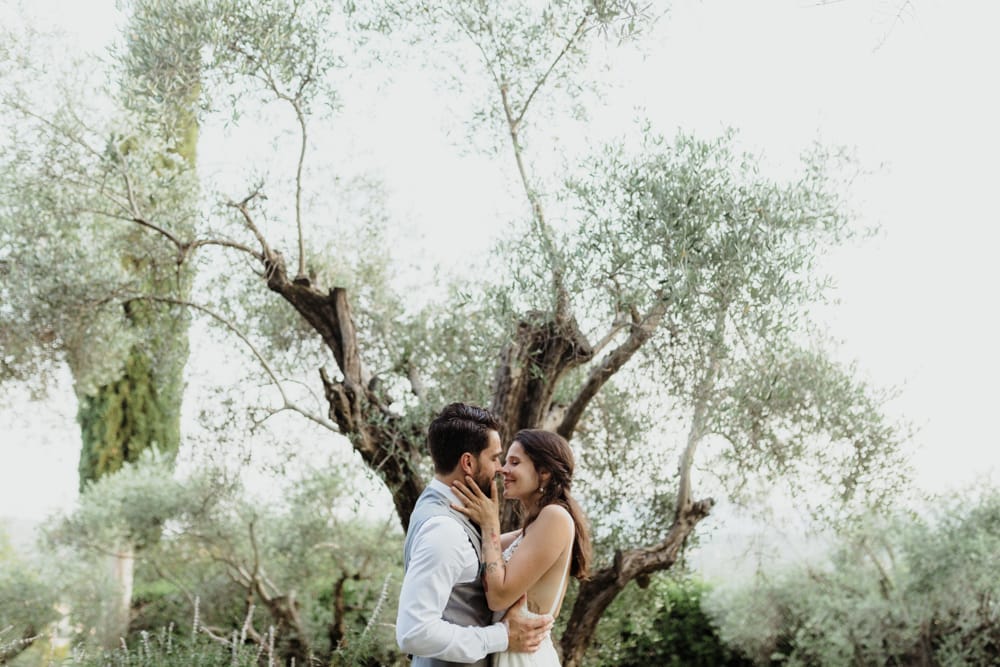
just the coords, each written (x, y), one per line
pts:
(467, 604)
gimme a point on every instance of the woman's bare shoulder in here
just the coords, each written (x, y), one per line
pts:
(555, 515)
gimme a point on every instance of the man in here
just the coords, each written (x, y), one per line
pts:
(443, 616)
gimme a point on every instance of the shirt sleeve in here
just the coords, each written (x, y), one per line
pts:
(438, 559)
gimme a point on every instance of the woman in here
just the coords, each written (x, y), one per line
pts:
(552, 544)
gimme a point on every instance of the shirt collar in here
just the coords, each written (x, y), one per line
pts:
(444, 489)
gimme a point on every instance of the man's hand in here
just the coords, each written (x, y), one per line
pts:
(525, 633)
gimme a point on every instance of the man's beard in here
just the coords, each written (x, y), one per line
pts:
(484, 483)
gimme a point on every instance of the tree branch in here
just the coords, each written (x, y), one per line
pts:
(184, 248)
(903, 6)
(288, 404)
(225, 243)
(642, 331)
(133, 204)
(616, 328)
(698, 420)
(298, 187)
(580, 30)
(562, 297)
(296, 103)
(243, 207)
(472, 38)
(256, 553)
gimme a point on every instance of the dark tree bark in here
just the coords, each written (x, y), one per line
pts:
(337, 629)
(386, 444)
(542, 351)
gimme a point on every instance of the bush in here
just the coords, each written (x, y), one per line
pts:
(681, 634)
(663, 625)
(251, 564)
(27, 602)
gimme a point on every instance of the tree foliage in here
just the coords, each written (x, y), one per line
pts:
(79, 180)
(661, 624)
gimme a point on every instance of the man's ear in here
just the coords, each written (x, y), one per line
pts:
(465, 463)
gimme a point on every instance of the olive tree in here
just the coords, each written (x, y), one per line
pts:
(651, 305)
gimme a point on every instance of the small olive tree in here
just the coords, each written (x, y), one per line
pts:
(302, 574)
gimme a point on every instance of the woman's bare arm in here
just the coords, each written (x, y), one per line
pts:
(549, 537)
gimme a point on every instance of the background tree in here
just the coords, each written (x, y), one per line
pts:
(161, 79)
(916, 589)
(141, 409)
(128, 365)
(651, 307)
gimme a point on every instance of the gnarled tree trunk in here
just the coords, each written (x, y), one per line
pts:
(383, 439)
(542, 351)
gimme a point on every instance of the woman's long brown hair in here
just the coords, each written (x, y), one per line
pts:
(550, 452)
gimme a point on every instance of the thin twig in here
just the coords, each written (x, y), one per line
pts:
(698, 421)
(580, 29)
(288, 404)
(57, 129)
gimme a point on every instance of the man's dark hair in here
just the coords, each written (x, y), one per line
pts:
(457, 429)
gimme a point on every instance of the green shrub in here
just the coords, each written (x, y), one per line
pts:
(663, 625)
(680, 634)
(27, 602)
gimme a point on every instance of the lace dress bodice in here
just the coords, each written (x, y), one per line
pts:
(512, 547)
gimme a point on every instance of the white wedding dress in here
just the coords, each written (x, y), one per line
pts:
(546, 655)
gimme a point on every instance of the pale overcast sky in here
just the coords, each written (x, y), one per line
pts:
(914, 94)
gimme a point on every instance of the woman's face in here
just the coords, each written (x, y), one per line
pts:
(520, 478)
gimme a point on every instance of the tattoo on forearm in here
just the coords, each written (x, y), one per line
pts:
(492, 567)
(495, 540)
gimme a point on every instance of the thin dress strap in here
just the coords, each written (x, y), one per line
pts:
(562, 582)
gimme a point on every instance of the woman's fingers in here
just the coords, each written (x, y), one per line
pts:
(474, 488)
(460, 489)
